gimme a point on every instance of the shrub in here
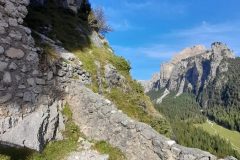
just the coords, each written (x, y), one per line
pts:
(97, 21)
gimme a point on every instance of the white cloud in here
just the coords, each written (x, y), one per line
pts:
(118, 15)
(152, 51)
(207, 28)
(204, 34)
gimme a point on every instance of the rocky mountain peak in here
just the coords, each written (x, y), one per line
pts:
(222, 49)
(192, 69)
(150, 84)
(188, 52)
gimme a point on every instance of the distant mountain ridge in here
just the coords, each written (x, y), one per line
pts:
(191, 69)
(209, 74)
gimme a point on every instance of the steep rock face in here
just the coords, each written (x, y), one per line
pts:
(152, 84)
(73, 5)
(168, 68)
(160, 80)
(193, 69)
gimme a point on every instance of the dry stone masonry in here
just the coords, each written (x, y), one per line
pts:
(29, 113)
(18, 58)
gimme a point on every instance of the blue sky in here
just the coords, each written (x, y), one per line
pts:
(150, 32)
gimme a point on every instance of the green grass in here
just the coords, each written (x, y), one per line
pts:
(2, 157)
(134, 105)
(232, 136)
(105, 148)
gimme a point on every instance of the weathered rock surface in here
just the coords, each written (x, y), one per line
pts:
(98, 40)
(152, 84)
(87, 155)
(113, 78)
(34, 130)
(99, 119)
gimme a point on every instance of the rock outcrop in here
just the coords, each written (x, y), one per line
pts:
(152, 84)
(100, 119)
(73, 5)
(30, 93)
(192, 70)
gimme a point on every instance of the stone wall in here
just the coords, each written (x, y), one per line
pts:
(29, 113)
(19, 74)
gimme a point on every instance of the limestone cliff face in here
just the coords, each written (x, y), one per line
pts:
(152, 84)
(193, 68)
(160, 80)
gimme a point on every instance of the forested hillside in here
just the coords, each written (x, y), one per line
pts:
(184, 112)
(224, 96)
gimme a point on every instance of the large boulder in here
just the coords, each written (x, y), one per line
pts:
(34, 130)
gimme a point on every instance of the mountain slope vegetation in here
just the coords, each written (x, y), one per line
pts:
(224, 97)
(184, 113)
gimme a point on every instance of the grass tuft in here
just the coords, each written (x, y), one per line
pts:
(105, 148)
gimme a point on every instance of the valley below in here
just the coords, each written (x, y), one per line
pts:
(232, 137)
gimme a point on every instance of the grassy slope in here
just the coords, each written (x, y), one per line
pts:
(134, 103)
(214, 129)
(65, 28)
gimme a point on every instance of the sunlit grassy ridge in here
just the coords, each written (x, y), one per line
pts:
(134, 102)
(232, 136)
